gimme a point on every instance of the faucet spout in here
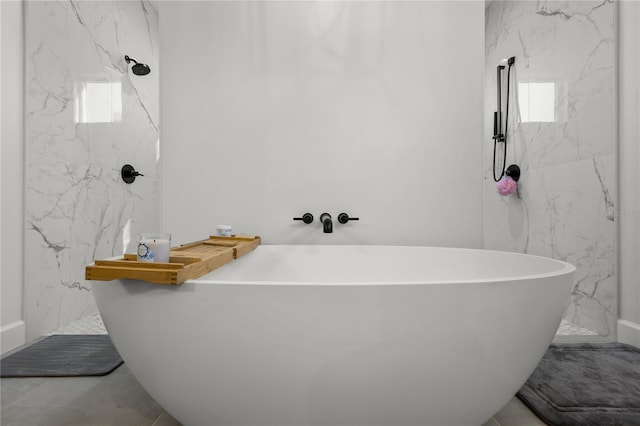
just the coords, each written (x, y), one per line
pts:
(327, 223)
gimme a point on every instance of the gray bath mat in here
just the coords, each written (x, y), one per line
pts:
(63, 355)
(586, 384)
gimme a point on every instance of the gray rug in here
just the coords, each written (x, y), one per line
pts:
(586, 384)
(63, 355)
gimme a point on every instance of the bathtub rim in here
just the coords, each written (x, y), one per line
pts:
(565, 268)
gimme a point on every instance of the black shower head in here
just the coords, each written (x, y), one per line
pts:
(138, 68)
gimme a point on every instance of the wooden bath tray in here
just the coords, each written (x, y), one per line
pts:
(186, 262)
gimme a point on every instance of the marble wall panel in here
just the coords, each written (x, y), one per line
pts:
(563, 140)
(86, 116)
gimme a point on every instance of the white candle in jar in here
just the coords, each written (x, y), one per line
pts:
(154, 247)
(224, 230)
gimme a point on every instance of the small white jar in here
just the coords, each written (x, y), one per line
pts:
(224, 230)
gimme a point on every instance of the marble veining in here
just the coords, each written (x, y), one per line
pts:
(565, 205)
(77, 207)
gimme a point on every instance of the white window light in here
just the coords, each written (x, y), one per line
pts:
(98, 102)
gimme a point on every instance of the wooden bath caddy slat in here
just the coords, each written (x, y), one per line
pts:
(186, 262)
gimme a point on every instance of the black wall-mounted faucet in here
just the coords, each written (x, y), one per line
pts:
(327, 223)
(326, 220)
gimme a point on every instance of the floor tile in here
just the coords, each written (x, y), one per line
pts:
(166, 419)
(91, 324)
(58, 392)
(570, 329)
(11, 389)
(122, 369)
(491, 422)
(116, 399)
(515, 413)
(14, 415)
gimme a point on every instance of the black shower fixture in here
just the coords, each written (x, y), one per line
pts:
(500, 127)
(513, 171)
(128, 173)
(138, 68)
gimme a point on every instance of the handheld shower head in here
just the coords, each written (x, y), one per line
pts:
(138, 68)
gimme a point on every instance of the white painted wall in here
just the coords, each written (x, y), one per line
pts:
(629, 171)
(273, 109)
(12, 169)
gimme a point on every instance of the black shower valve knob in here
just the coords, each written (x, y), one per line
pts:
(344, 218)
(306, 218)
(513, 171)
(128, 173)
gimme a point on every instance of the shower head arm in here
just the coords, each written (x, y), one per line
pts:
(129, 59)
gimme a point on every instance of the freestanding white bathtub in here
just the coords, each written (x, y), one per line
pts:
(341, 335)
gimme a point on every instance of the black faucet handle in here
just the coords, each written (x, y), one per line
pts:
(344, 218)
(306, 218)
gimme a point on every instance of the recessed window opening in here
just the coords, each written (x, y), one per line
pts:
(98, 102)
(539, 102)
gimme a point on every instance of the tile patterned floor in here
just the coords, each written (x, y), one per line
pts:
(569, 329)
(113, 400)
(119, 400)
(88, 325)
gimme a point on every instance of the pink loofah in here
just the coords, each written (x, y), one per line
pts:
(506, 186)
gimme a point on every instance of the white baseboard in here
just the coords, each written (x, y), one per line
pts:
(12, 336)
(629, 333)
